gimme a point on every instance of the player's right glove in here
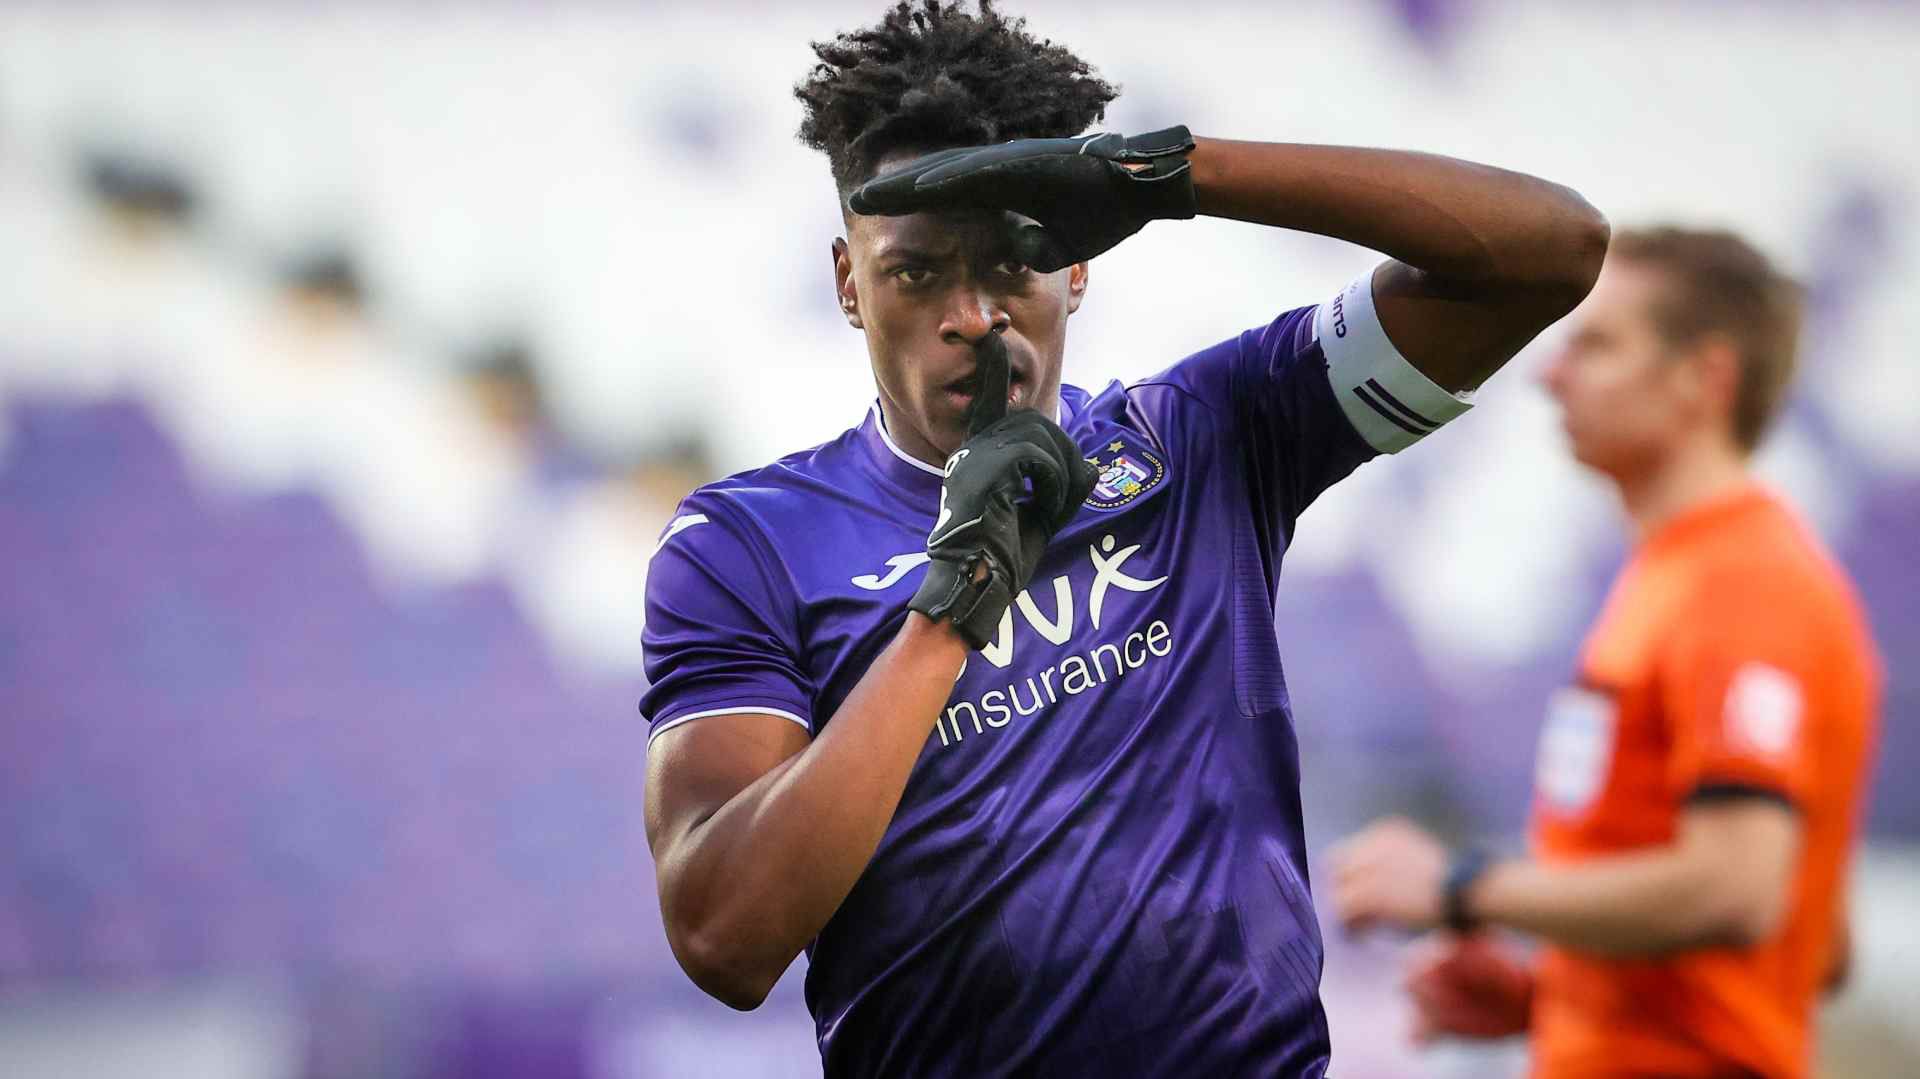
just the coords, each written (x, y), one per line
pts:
(991, 529)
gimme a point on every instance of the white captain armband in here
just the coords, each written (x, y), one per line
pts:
(1386, 398)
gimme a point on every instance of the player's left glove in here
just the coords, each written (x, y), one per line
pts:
(1016, 481)
(1087, 193)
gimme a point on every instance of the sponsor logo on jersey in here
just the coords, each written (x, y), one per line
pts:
(1085, 666)
(1079, 600)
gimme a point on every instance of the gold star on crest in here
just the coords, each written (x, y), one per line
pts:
(1116, 445)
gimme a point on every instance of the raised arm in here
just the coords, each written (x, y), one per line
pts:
(1483, 259)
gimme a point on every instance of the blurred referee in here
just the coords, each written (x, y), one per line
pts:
(1700, 784)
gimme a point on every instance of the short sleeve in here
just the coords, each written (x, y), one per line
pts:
(720, 634)
(1735, 683)
(1312, 395)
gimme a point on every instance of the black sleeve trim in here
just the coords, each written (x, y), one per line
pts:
(1730, 792)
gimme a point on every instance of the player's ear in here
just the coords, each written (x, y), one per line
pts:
(1076, 286)
(843, 287)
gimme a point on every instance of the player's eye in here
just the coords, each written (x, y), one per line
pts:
(913, 275)
(1010, 267)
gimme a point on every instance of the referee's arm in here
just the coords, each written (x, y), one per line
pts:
(1483, 259)
(1724, 880)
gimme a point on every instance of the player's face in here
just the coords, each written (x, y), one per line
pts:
(1626, 400)
(925, 286)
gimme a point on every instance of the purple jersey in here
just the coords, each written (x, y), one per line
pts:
(1097, 867)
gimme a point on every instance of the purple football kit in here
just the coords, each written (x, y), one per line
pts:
(1097, 867)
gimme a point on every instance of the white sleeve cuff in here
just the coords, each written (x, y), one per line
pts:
(740, 710)
(1386, 398)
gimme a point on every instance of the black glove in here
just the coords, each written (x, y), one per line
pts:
(986, 517)
(1087, 194)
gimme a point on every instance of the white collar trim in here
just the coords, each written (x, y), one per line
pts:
(880, 421)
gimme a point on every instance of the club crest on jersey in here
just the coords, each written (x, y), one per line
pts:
(1126, 472)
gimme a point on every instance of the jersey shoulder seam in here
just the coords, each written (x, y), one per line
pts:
(717, 501)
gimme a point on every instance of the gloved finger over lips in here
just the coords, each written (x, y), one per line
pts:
(995, 369)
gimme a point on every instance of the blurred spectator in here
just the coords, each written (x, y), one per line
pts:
(584, 583)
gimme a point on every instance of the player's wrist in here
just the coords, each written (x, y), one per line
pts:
(1468, 869)
(1160, 166)
(932, 636)
(967, 595)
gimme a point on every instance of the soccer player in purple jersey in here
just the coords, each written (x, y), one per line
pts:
(982, 709)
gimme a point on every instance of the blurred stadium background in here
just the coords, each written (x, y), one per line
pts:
(352, 357)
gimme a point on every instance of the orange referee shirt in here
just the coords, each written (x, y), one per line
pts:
(1732, 657)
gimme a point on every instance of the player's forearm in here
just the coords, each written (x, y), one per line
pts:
(1627, 905)
(747, 888)
(1460, 222)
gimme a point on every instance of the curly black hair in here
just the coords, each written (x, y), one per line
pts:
(931, 75)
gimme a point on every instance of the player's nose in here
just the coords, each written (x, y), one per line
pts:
(971, 314)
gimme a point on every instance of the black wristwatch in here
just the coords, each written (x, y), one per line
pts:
(1468, 866)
